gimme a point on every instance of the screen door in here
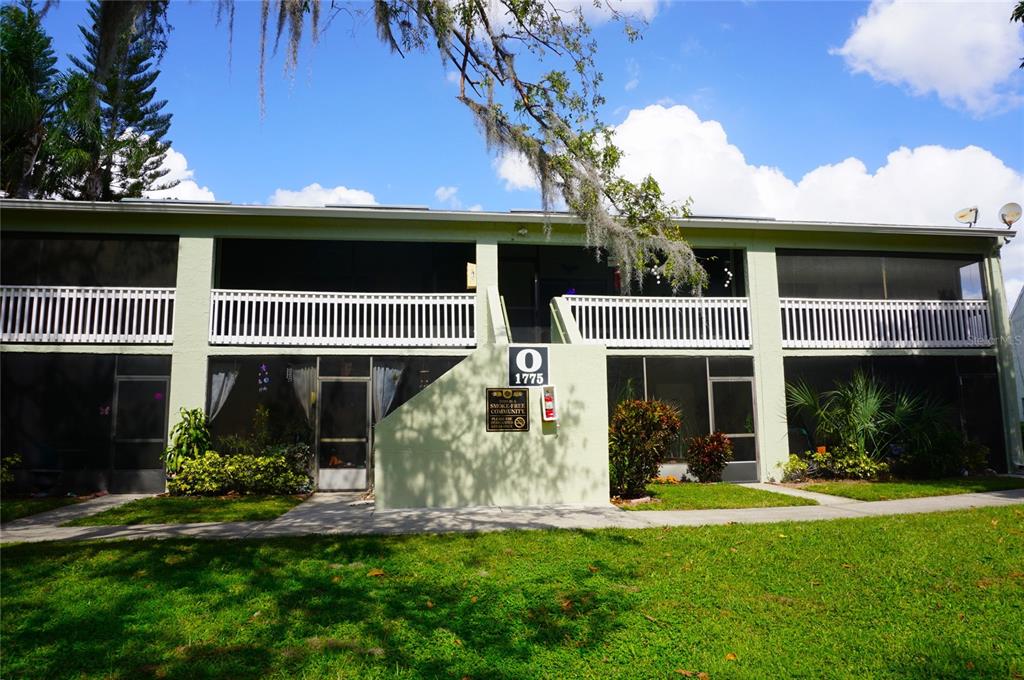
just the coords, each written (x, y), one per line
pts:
(140, 434)
(732, 413)
(343, 442)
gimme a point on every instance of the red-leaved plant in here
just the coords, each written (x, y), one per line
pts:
(639, 436)
(707, 455)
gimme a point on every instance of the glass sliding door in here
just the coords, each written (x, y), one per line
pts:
(343, 439)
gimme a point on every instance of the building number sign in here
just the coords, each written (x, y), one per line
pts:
(528, 366)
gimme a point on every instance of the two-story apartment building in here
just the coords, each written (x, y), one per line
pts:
(372, 333)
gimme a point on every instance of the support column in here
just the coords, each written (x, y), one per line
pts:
(769, 373)
(191, 325)
(486, 276)
(1003, 332)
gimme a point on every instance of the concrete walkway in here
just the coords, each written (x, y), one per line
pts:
(341, 513)
(819, 498)
(67, 513)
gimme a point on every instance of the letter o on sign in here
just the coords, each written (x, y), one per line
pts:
(528, 366)
(528, 360)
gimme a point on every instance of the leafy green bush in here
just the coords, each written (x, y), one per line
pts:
(707, 455)
(640, 435)
(8, 462)
(869, 417)
(946, 455)
(841, 462)
(299, 456)
(796, 469)
(190, 438)
(215, 475)
(206, 475)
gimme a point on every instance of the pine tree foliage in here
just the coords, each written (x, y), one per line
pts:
(28, 97)
(1018, 15)
(113, 117)
(96, 132)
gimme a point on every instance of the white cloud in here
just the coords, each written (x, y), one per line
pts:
(448, 195)
(516, 171)
(316, 195)
(965, 52)
(924, 185)
(476, 207)
(187, 189)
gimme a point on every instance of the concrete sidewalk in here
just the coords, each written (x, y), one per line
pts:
(343, 514)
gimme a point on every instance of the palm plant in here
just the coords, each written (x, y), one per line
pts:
(869, 417)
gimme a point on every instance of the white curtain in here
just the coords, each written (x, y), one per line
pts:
(220, 387)
(304, 384)
(385, 386)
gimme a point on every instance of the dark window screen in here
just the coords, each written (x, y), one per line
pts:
(625, 380)
(683, 383)
(344, 266)
(58, 409)
(734, 407)
(141, 409)
(76, 260)
(345, 366)
(877, 276)
(343, 410)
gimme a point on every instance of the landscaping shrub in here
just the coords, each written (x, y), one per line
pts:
(640, 435)
(864, 428)
(190, 438)
(215, 475)
(8, 462)
(841, 462)
(206, 475)
(299, 456)
(946, 455)
(707, 455)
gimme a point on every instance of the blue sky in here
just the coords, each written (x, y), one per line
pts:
(730, 103)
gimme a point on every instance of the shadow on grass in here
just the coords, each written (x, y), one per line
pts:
(231, 609)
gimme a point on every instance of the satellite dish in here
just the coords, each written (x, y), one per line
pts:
(967, 216)
(1009, 214)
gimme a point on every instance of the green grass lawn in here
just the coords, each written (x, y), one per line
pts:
(184, 509)
(693, 496)
(887, 491)
(913, 596)
(16, 508)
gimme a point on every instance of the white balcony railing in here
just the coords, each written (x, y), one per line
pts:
(662, 321)
(259, 317)
(81, 314)
(847, 324)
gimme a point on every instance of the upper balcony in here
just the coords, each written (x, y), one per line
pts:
(668, 322)
(310, 319)
(809, 323)
(861, 300)
(605, 312)
(86, 314)
(87, 289)
(342, 294)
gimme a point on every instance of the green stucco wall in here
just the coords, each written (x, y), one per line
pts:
(435, 451)
(191, 325)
